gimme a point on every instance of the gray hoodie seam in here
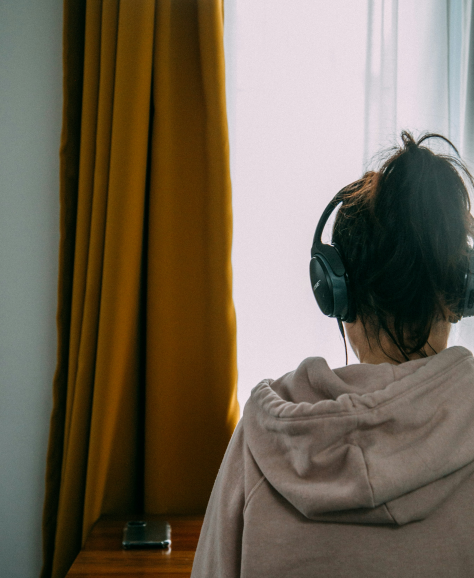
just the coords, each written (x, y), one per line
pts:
(366, 471)
(252, 492)
(372, 489)
(368, 410)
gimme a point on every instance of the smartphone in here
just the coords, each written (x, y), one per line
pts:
(151, 534)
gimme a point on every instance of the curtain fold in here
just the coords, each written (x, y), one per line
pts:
(467, 83)
(189, 246)
(407, 81)
(145, 388)
(381, 74)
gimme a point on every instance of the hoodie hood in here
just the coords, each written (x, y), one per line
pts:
(381, 444)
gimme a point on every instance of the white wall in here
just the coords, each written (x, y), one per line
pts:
(30, 124)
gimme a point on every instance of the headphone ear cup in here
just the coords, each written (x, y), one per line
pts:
(466, 305)
(320, 275)
(350, 313)
(329, 283)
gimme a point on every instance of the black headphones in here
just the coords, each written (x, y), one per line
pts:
(466, 305)
(330, 283)
(327, 272)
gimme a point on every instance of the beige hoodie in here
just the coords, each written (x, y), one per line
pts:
(359, 472)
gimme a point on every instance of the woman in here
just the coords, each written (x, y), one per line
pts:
(366, 470)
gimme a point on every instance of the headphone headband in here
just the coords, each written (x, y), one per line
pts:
(317, 243)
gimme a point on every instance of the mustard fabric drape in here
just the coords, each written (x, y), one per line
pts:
(145, 387)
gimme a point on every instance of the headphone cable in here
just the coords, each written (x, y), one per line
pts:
(341, 328)
(432, 349)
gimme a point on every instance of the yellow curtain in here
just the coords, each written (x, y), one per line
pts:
(145, 387)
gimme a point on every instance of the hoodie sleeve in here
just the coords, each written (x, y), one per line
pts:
(219, 548)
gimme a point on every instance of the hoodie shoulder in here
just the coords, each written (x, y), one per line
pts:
(220, 542)
(362, 437)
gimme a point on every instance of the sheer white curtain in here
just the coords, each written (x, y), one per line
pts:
(464, 12)
(410, 81)
(315, 89)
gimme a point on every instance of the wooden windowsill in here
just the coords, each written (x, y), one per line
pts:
(103, 555)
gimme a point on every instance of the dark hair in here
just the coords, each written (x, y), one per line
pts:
(404, 232)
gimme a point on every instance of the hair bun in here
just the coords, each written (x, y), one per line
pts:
(408, 140)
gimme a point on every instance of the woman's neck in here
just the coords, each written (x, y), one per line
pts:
(388, 352)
